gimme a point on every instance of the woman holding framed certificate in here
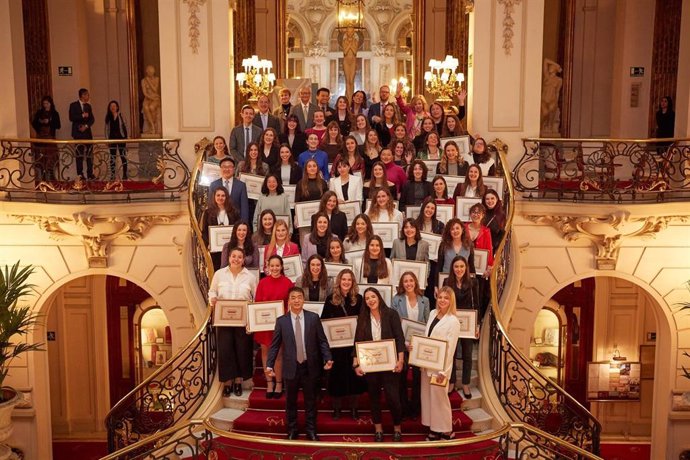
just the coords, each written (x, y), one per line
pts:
(280, 244)
(262, 235)
(410, 245)
(455, 241)
(359, 233)
(383, 208)
(378, 322)
(481, 157)
(219, 212)
(275, 286)
(451, 164)
(337, 218)
(378, 181)
(467, 298)
(316, 241)
(473, 186)
(411, 304)
(481, 237)
(272, 197)
(417, 188)
(336, 251)
(438, 183)
(495, 217)
(241, 238)
(233, 343)
(342, 380)
(426, 220)
(437, 413)
(374, 267)
(315, 281)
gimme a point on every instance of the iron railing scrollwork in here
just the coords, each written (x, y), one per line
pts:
(201, 258)
(174, 392)
(525, 393)
(44, 170)
(604, 169)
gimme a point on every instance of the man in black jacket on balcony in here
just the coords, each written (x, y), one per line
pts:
(81, 116)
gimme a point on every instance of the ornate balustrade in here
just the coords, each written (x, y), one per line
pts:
(604, 169)
(45, 170)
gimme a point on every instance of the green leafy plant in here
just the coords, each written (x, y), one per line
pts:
(15, 321)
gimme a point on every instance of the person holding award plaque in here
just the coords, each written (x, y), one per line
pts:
(455, 241)
(379, 322)
(417, 188)
(315, 281)
(337, 218)
(234, 344)
(410, 303)
(272, 197)
(473, 186)
(410, 245)
(275, 286)
(359, 233)
(219, 212)
(427, 220)
(383, 208)
(467, 298)
(342, 380)
(280, 243)
(481, 238)
(374, 267)
(437, 413)
(316, 241)
(241, 237)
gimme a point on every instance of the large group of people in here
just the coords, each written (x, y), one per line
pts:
(379, 156)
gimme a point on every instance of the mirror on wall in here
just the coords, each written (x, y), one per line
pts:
(547, 346)
(155, 340)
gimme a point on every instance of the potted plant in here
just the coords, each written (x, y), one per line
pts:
(15, 322)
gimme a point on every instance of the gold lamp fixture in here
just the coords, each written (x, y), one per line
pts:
(350, 14)
(257, 79)
(442, 81)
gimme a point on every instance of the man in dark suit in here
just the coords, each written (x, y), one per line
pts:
(304, 109)
(323, 95)
(236, 188)
(81, 116)
(305, 349)
(264, 119)
(376, 110)
(243, 134)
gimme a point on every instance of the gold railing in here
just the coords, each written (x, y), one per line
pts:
(112, 170)
(604, 169)
(524, 392)
(176, 390)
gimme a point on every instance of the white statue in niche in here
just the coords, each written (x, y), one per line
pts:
(151, 106)
(550, 93)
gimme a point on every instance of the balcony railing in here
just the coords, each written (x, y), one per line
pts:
(604, 169)
(45, 170)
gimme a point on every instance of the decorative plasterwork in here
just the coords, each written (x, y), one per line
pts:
(508, 23)
(383, 49)
(316, 49)
(607, 233)
(316, 12)
(96, 232)
(383, 12)
(194, 22)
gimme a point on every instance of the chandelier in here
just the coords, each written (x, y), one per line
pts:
(442, 81)
(257, 79)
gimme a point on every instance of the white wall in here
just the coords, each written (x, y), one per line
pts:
(14, 112)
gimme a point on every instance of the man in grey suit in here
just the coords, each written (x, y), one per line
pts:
(304, 109)
(305, 350)
(236, 188)
(264, 119)
(242, 135)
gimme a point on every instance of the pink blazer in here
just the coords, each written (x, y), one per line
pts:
(410, 116)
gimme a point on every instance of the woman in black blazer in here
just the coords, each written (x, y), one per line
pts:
(338, 219)
(219, 212)
(286, 168)
(379, 322)
(293, 136)
(416, 189)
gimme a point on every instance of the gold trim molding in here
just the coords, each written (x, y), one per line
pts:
(608, 232)
(96, 232)
(508, 23)
(194, 7)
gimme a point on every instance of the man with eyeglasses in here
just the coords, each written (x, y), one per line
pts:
(236, 188)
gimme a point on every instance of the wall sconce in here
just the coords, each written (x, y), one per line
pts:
(617, 355)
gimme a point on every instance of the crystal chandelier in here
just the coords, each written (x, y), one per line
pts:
(257, 79)
(442, 81)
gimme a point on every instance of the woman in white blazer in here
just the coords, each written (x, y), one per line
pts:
(346, 186)
(436, 411)
(374, 267)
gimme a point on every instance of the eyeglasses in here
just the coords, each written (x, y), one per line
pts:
(476, 212)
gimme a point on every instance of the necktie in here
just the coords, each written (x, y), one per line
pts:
(298, 340)
(246, 140)
(305, 109)
(264, 120)
(225, 184)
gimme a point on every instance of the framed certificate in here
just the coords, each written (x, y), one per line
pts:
(290, 192)
(351, 209)
(495, 183)
(386, 291)
(431, 165)
(463, 205)
(388, 231)
(355, 257)
(481, 260)
(419, 267)
(218, 235)
(442, 279)
(367, 204)
(411, 328)
(333, 269)
(412, 212)
(376, 355)
(434, 241)
(428, 352)
(340, 332)
(230, 313)
(253, 183)
(462, 141)
(468, 323)
(452, 182)
(209, 173)
(445, 212)
(262, 316)
(292, 267)
(314, 307)
(303, 212)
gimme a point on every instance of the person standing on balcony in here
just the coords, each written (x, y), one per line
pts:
(81, 116)
(115, 128)
(46, 122)
(665, 122)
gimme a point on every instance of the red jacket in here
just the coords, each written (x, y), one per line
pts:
(395, 174)
(483, 241)
(291, 249)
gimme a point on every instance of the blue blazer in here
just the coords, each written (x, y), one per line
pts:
(315, 344)
(400, 305)
(238, 196)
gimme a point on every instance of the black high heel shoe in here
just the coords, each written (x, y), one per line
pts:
(270, 394)
(278, 394)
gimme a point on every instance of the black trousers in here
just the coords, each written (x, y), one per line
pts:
(464, 349)
(292, 387)
(413, 404)
(235, 349)
(84, 150)
(114, 149)
(390, 381)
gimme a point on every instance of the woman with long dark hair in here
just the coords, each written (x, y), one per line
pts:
(455, 241)
(219, 212)
(426, 220)
(241, 237)
(218, 150)
(440, 193)
(316, 241)
(315, 281)
(293, 136)
(272, 197)
(115, 128)
(359, 233)
(287, 168)
(351, 155)
(417, 188)
(46, 122)
(337, 218)
(473, 187)
(268, 147)
(495, 217)
(332, 142)
(266, 221)
(480, 235)
(481, 157)
(374, 267)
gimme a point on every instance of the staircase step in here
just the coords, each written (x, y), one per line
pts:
(225, 417)
(474, 402)
(481, 420)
